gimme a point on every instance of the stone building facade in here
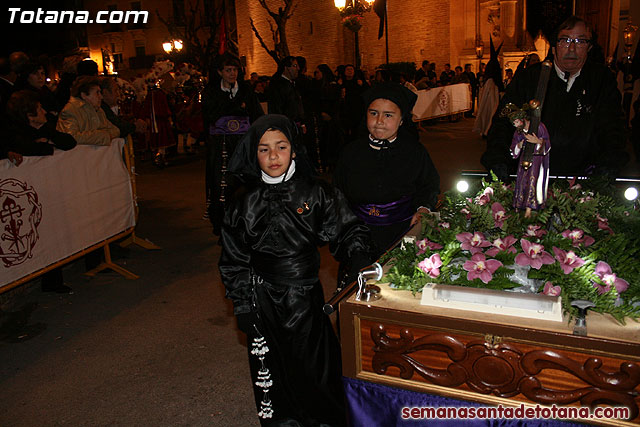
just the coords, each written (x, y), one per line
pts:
(442, 31)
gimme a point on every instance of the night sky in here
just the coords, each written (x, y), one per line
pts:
(37, 39)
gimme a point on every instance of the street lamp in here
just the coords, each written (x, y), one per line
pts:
(171, 46)
(352, 14)
(627, 36)
(479, 47)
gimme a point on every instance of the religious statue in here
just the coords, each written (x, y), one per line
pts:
(533, 175)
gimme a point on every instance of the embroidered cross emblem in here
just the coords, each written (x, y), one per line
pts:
(10, 213)
(9, 209)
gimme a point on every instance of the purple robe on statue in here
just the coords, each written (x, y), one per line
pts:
(532, 183)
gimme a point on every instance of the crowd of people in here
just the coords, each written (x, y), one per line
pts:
(263, 194)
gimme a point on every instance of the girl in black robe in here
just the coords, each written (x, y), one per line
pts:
(269, 266)
(387, 180)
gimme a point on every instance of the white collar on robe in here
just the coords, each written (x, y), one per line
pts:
(233, 91)
(570, 80)
(372, 139)
(278, 179)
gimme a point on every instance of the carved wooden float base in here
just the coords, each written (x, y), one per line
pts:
(489, 363)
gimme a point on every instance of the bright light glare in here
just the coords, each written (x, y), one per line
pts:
(177, 44)
(462, 186)
(631, 193)
(340, 4)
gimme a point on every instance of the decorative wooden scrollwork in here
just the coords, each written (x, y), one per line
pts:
(627, 378)
(490, 366)
(396, 352)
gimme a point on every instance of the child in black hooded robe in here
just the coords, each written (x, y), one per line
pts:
(269, 266)
(388, 176)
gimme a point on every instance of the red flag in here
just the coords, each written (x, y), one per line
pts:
(223, 36)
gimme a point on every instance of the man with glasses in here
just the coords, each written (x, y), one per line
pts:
(582, 111)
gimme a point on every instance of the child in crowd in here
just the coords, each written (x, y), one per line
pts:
(533, 177)
(388, 176)
(269, 266)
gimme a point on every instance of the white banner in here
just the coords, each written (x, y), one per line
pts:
(52, 207)
(442, 101)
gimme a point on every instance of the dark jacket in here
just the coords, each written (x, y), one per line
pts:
(285, 99)
(22, 139)
(125, 127)
(217, 103)
(586, 124)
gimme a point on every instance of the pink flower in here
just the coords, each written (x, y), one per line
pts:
(466, 212)
(568, 260)
(499, 215)
(485, 197)
(500, 245)
(425, 243)
(479, 267)
(533, 254)
(472, 242)
(534, 231)
(585, 199)
(603, 271)
(431, 265)
(578, 237)
(444, 225)
(603, 224)
(552, 291)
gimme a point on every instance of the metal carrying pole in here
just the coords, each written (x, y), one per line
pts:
(541, 91)
(330, 306)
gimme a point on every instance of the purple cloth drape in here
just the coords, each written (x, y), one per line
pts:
(372, 405)
(385, 214)
(230, 125)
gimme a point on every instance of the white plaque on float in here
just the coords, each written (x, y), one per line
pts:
(534, 306)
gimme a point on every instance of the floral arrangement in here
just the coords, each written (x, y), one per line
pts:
(583, 245)
(353, 22)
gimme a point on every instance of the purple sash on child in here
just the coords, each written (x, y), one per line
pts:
(387, 214)
(230, 125)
